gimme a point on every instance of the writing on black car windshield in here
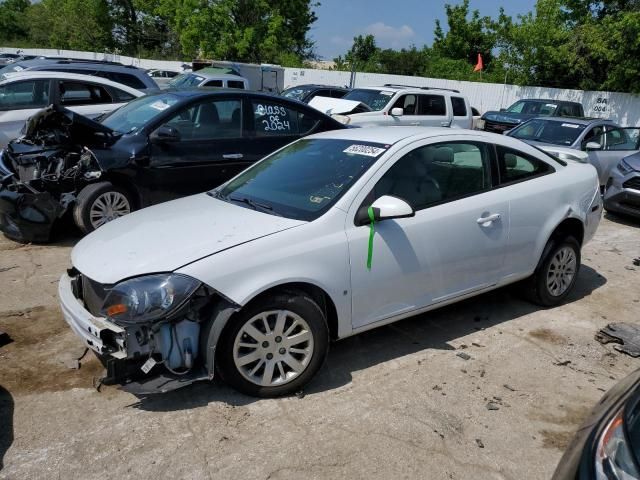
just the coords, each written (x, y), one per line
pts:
(137, 113)
(549, 131)
(374, 99)
(305, 179)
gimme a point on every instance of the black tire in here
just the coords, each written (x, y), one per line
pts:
(86, 199)
(537, 288)
(293, 301)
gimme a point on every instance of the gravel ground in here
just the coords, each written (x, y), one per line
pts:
(396, 402)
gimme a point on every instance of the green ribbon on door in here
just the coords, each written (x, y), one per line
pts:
(372, 231)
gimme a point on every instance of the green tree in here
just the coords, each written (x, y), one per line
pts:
(12, 25)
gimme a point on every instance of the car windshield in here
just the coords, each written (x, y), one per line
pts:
(303, 180)
(297, 93)
(376, 100)
(137, 113)
(186, 80)
(533, 108)
(548, 131)
(11, 68)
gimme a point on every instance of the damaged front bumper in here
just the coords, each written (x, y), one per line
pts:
(25, 214)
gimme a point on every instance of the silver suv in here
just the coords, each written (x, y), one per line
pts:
(405, 105)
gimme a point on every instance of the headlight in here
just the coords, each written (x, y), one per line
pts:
(480, 124)
(148, 298)
(624, 167)
(614, 458)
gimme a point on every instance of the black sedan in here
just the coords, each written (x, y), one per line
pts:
(607, 445)
(153, 149)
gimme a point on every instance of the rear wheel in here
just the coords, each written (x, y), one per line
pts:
(557, 273)
(100, 203)
(275, 347)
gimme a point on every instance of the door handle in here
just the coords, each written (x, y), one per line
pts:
(232, 156)
(444, 124)
(488, 219)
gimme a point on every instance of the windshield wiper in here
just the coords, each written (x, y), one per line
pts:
(252, 203)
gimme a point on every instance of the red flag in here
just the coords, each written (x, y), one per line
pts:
(480, 65)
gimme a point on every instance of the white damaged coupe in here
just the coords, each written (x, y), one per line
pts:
(332, 235)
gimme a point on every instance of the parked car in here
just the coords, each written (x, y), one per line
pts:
(153, 149)
(209, 78)
(392, 105)
(622, 194)
(305, 93)
(523, 110)
(335, 234)
(24, 93)
(6, 58)
(162, 77)
(604, 142)
(607, 445)
(116, 72)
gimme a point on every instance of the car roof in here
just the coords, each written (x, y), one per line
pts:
(578, 120)
(543, 100)
(317, 85)
(216, 76)
(30, 74)
(41, 63)
(391, 135)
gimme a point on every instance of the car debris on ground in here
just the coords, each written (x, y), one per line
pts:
(627, 335)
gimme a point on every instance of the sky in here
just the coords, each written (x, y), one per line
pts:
(394, 23)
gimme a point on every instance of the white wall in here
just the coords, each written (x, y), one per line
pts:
(622, 108)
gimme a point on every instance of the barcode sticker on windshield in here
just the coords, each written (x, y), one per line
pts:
(159, 105)
(388, 94)
(570, 125)
(366, 150)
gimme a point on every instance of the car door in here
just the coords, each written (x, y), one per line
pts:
(210, 150)
(454, 245)
(86, 98)
(614, 144)
(18, 101)
(433, 111)
(274, 124)
(409, 105)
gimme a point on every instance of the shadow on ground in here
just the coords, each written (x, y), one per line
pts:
(6, 423)
(433, 330)
(626, 220)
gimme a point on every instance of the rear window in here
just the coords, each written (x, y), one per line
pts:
(459, 107)
(123, 78)
(235, 84)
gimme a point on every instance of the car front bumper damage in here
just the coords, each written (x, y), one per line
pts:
(622, 194)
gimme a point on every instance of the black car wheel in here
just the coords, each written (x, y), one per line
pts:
(275, 346)
(556, 274)
(99, 203)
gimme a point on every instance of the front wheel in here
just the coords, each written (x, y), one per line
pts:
(99, 203)
(557, 273)
(275, 347)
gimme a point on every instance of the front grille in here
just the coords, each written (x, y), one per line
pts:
(93, 294)
(496, 127)
(632, 183)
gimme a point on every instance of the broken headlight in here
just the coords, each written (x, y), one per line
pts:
(148, 298)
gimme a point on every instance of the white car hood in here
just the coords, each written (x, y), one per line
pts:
(168, 236)
(332, 106)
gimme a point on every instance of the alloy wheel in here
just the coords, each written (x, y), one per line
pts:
(273, 348)
(562, 270)
(107, 207)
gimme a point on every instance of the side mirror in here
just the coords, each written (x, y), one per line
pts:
(164, 134)
(593, 146)
(386, 207)
(397, 112)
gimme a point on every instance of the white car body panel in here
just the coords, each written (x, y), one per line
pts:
(439, 256)
(11, 121)
(332, 106)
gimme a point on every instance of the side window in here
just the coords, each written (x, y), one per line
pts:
(273, 119)
(307, 122)
(209, 120)
(235, 84)
(120, 95)
(591, 135)
(408, 103)
(338, 93)
(459, 107)
(432, 105)
(437, 173)
(515, 166)
(80, 93)
(123, 78)
(619, 139)
(213, 83)
(23, 95)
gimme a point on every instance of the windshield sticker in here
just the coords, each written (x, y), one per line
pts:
(570, 125)
(366, 150)
(388, 94)
(18, 68)
(159, 105)
(314, 199)
(551, 105)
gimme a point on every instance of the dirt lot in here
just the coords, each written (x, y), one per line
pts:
(396, 402)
